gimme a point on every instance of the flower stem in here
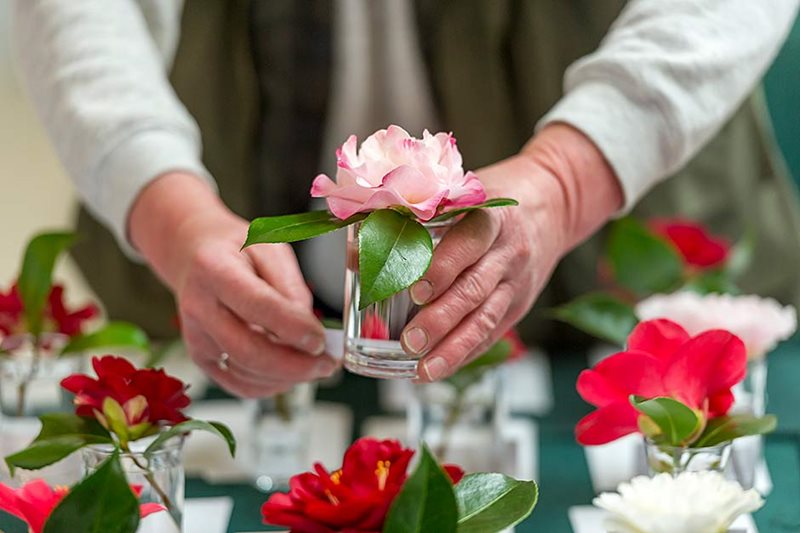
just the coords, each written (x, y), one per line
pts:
(151, 479)
(22, 388)
(451, 419)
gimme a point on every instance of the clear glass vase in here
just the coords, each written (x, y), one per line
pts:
(30, 376)
(461, 425)
(675, 459)
(281, 436)
(750, 396)
(372, 335)
(161, 478)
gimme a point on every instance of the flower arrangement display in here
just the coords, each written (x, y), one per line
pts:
(37, 327)
(128, 415)
(673, 388)
(700, 502)
(372, 492)
(397, 194)
(660, 256)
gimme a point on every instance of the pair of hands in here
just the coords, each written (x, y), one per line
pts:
(486, 272)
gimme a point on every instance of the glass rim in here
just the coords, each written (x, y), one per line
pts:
(106, 449)
(721, 446)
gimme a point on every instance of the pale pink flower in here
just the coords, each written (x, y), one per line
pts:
(394, 169)
(761, 323)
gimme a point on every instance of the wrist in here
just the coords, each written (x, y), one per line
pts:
(586, 188)
(159, 221)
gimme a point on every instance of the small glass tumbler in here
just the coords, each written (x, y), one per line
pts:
(676, 460)
(161, 478)
(281, 436)
(372, 334)
(750, 396)
(461, 425)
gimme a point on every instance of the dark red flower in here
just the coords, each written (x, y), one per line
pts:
(353, 499)
(661, 360)
(57, 317)
(118, 379)
(699, 248)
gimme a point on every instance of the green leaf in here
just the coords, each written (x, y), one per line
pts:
(472, 372)
(494, 202)
(713, 282)
(61, 435)
(676, 421)
(299, 227)
(394, 251)
(426, 503)
(112, 335)
(725, 428)
(217, 428)
(642, 261)
(36, 274)
(102, 503)
(599, 314)
(492, 502)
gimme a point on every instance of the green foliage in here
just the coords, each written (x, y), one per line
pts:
(293, 228)
(726, 428)
(217, 428)
(472, 372)
(599, 314)
(493, 502)
(112, 335)
(494, 202)
(676, 422)
(642, 261)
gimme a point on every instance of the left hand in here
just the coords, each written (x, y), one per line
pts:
(489, 268)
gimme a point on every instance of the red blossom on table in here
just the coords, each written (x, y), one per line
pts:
(698, 247)
(147, 396)
(661, 359)
(34, 502)
(353, 499)
(58, 317)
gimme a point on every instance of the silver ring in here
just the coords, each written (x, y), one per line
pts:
(222, 362)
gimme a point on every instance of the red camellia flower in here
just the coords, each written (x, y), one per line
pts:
(146, 395)
(34, 501)
(661, 360)
(518, 348)
(696, 245)
(353, 499)
(57, 318)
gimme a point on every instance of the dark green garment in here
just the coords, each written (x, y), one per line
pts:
(496, 66)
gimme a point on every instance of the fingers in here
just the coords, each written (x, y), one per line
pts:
(475, 332)
(462, 246)
(277, 265)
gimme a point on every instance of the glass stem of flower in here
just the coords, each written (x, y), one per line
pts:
(450, 421)
(148, 475)
(283, 408)
(22, 388)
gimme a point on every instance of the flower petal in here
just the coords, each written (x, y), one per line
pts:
(607, 424)
(616, 377)
(659, 337)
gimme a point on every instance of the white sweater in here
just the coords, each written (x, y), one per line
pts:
(664, 80)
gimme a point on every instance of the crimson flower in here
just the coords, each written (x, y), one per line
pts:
(57, 317)
(147, 396)
(661, 360)
(34, 502)
(353, 499)
(374, 327)
(696, 245)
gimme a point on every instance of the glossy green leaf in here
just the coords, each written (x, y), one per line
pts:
(394, 252)
(488, 503)
(677, 422)
(599, 314)
(217, 428)
(36, 274)
(641, 260)
(61, 435)
(494, 202)
(102, 503)
(426, 503)
(472, 372)
(112, 335)
(725, 428)
(293, 228)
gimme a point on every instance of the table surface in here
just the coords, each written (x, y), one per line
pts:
(564, 477)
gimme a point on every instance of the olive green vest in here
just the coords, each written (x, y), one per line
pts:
(496, 67)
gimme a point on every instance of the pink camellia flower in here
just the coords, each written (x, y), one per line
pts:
(394, 169)
(34, 502)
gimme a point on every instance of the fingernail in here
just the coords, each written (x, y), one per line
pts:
(435, 368)
(313, 344)
(421, 291)
(416, 339)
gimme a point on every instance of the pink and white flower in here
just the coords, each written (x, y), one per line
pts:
(761, 323)
(394, 169)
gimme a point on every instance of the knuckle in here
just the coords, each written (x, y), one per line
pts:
(471, 288)
(487, 319)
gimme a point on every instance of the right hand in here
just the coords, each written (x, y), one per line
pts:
(252, 305)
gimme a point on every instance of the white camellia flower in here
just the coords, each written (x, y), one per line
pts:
(760, 322)
(693, 502)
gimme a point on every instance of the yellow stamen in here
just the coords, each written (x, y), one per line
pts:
(382, 473)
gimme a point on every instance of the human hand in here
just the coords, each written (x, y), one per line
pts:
(252, 305)
(489, 268)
